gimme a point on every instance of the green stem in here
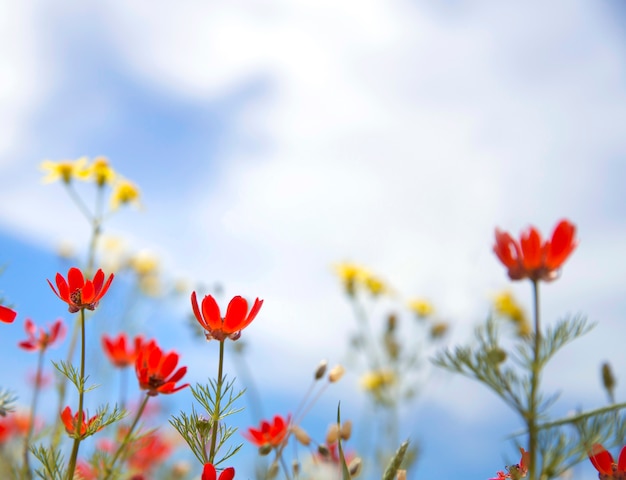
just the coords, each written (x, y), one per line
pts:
(367, 336)
(123, 445)
(26, 473)
(531, 414)
(81, 395)
(216, 411)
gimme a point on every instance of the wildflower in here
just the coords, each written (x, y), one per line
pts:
(517, 471)
(376, 380)
(65, 170)
(77, 292)
(237, 317)
(7, 315)
(124, 192)
(421, 307)
(532, 258)
(505, 304)
(155, 369)
(604, 463)
(88, 427)
(118, 352)
(349, 274)
(148, 451)
(101, 172)
(46, 339)
(209, 473)
(272, 434)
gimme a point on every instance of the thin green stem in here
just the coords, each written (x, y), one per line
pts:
(367, 336)
(216, 410)
(26, 473)
(531, 414)
(124, 443)
(81, 395)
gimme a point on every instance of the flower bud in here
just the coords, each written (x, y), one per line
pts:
(346, 430)
(355, 467)
(301, 435)
(333, 434)
(336, 373)
(320, 371)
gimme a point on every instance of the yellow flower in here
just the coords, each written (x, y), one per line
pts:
(506, 305)
(101, 171)
(423, 308)
(65, 170)
(377, 379)
(124, 192)
(374, 285)
(349, 274)
(144, 263)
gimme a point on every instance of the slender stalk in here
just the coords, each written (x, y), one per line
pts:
(81, 395)
(96, 231)
(531, 414)
(369, 343)
(216, 411)
(124, 443)
(26, 473)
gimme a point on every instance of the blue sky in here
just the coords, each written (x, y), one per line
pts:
(273, 138)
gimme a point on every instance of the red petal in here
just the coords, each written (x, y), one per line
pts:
(211, 313)
(621, 462)
(75, 279)
(196, 311)
(227, 474)
(531, 249)
(7, 315)
(235, 315)
(64, 289)
(105, 289)
(168, 364)
(180, 373)
(98, 279)
(601, 459)
(208, 472)
(561, 245)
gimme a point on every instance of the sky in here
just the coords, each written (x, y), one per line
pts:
(272, 139)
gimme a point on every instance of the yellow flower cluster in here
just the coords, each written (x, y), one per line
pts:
(422, 307)
(99, 171)
(354, 276)
(506, 305)
(376, 380)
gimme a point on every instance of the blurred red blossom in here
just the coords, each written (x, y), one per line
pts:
(71, 422)
(219, 328)
(155, 370)
(530, 257)
(118, 352)
(79, 293)
(268, 433)
(44, 339)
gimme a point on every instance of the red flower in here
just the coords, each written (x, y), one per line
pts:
(71, 422)
(532, 258)
(602, 459)
(77, 292)
(237, 317)
(7, 315)
(154, 370)
(148, 451)
(118, 352)
(45, 340)
(209, 473)
(516, 471)
(269, 433)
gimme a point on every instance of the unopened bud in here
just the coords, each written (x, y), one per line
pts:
(323, 451)
(346, 430)
(392, 321)
(438, 330)
(320, 371)
(295, 468)
(333, 434)
(272, 471)
(355, 467)
(496, 355)
(401, 475)
(265, 449)
(336, 373)
(608, 380)
(301, 435)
